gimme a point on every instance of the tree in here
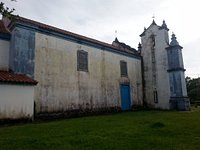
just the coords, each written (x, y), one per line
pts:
(5, 11)
(193, 88)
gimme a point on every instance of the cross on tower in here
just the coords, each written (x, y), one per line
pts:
(115, 33)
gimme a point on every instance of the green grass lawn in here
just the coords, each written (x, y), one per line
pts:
(143, 130)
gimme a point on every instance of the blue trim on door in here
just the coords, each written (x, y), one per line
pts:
(125, 97)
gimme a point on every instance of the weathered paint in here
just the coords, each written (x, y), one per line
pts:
(175, 83)
(16, 101)
(176, 71)
(178, 99)
(61, 87)
(160, 67)
(175, 59)
(4, 54)
(22, 51)
(75, 39)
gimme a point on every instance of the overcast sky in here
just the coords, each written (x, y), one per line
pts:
(99, 19)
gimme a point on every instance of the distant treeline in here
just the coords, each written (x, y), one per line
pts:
(193, 88)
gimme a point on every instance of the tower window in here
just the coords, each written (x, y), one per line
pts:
(82, 60)
(153, 40)
(155, 95)
(123, 67)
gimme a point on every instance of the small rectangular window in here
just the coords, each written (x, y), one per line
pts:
(123, 67)
(155, 95)
(82, 60)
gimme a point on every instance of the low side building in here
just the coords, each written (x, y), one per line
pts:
(16, 96)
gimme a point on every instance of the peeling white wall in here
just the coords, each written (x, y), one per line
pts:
(162, 76)
(61, 87)
(16, 101)
(4, 54)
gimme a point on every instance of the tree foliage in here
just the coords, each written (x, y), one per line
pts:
(5, 11)
(193, 88)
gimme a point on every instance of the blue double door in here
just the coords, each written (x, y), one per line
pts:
(125, 97)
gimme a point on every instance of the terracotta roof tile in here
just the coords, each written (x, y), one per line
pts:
(9, 77)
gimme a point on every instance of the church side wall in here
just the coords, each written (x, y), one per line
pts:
(61, 87)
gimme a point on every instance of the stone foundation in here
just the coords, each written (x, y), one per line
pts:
(180, 103)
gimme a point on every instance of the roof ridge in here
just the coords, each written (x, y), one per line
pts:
(53, 27)
(65, 32)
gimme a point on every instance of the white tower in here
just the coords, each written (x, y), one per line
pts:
(163, 70)
(155, 64)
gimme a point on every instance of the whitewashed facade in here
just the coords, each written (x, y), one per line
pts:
(79, 74)
(16, 101)
(61, 86)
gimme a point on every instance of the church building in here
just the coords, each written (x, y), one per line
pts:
(65, 73)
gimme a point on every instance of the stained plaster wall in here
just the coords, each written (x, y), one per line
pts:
(16, 101)
(22, 51)
(162, 77)
(61, 87)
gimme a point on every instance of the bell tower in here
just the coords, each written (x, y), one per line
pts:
(178, 92)
(154, 40)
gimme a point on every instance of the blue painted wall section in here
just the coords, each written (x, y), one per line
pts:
(178, 99)
(173, 60)
(22, 51)
(175, 84)
(175, 67)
